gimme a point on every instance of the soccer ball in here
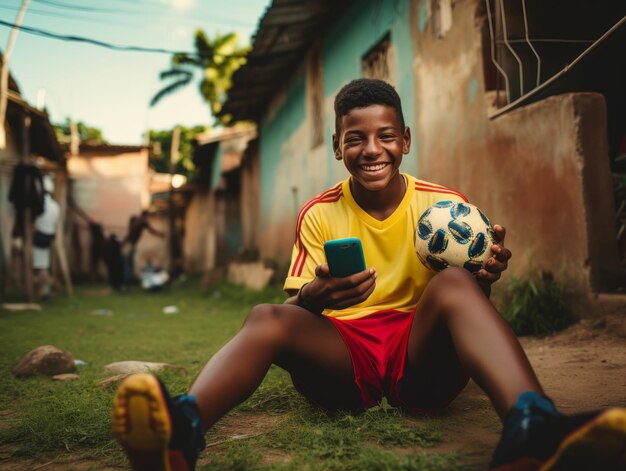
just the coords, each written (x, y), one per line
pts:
(451, 234)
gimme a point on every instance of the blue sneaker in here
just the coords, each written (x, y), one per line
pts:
(537, 437)
(158, 433)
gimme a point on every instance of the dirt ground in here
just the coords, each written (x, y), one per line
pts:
(582, 368)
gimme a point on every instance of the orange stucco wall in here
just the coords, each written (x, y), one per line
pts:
(110, 188)
(542, 171)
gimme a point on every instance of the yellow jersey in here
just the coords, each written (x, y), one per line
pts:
(388, 245)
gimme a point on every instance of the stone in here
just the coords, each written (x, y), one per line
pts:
(134, 366)
(254, 275)
(21, 307)
(112, 380)
(66, 377)
(45, 360)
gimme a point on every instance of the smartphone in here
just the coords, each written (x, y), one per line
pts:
(344, 256)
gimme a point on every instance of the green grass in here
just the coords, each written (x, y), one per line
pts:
(43, 419)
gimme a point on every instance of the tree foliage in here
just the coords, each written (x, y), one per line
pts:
(86, 133)
(216, 60)
(161, 160)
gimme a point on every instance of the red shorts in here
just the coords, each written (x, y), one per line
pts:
(378, 347)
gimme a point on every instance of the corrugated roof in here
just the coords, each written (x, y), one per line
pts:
(43, 140)
(222, 134)
(282, 39)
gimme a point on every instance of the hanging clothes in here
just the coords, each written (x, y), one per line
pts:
(45, 230)
(27, 188)
(114, 261)
(26, 191)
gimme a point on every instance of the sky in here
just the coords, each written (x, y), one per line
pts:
(109, 89)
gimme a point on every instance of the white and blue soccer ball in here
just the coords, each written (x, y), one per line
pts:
(451, 234)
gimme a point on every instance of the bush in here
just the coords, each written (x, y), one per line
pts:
(537, 307)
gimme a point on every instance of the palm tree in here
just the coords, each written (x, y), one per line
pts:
(218, 59)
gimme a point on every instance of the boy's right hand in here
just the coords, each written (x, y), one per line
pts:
(327, 292)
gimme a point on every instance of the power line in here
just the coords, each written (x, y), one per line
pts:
(127, 14)
(74, 7)
(116, 47)
(143, 12)
(65, 16)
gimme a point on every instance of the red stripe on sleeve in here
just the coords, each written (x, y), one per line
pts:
(300, 254)
(312, 202)
(419, 186)
(428, 184)
(330, 196)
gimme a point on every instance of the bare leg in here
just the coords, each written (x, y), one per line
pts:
(456, 325)
(41, 282)
(306, 345)
(46, 283)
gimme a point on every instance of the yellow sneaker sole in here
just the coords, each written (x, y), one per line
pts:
(141, 423)
(598, 445)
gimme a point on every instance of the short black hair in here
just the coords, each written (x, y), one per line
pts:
(364, 92)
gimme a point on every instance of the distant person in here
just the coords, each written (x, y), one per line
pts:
(45, 231)
(112, 255)
(96, 243)
(96, 249)
(26, 193)
(136, 226)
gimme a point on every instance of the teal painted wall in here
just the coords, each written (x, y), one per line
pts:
(216, 171)
(275, 131)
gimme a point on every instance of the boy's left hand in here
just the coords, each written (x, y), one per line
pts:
(498, 261)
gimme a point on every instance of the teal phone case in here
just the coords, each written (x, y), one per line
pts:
(344, 256)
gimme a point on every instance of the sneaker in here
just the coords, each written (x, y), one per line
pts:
(158, 433)
(537, 437)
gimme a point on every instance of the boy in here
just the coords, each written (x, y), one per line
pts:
(393, 330)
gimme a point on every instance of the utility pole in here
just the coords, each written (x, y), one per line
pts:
(174, 155)
(4, 73)
(27, 258)
(41, 99)
(74, 139)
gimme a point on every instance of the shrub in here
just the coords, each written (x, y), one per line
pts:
(537, 307)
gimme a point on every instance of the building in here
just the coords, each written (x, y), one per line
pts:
(221, 215)
(109, 184)
(520, 106)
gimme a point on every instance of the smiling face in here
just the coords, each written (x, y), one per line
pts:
(371, 143)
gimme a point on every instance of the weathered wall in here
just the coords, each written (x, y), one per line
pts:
(542, 171)
(110, 188)
(200, 233)
(250, 194)
(549, 183)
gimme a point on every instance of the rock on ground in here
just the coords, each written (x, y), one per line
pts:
(45, 360)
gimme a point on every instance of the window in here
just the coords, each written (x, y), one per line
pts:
(442, 17)
(529, 45)
(376, 62)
